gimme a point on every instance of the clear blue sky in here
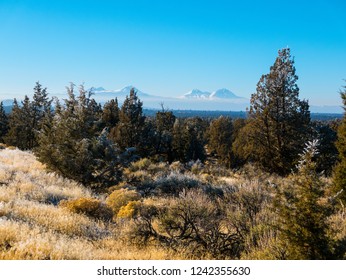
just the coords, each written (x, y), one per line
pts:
(170, 47)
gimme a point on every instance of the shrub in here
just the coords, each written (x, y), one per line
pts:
(196, 167)
(141, 164)
(177, 166)
(192, 223)
(130, 210)
(175, 183)
(120, 198)
(88, 206)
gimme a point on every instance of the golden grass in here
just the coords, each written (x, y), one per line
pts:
(34, 226)
(45, 216)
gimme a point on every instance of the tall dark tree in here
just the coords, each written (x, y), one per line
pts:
(26, 120)
(41, 108)
(189, 139)
(20, 132)
(3, 123)
(221, 139)
(164, 123)
(340, 169)
(110, 113)
(278, 120)
(128, 133)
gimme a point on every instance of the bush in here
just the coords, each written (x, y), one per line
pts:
(130, 210)
(141, 164)
(192, 223)
(88, 206)
(120, 198)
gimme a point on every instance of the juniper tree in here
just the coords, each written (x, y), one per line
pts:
(221, 139)
(164, 123)
(189, 139)
(20, 132)
(41, 108)
(128, 133)
(302, 212)
(72, 145)
(25, 120)
(278, 119)
(3, 123)
(110, 114)
(340, 169)
(328, 153)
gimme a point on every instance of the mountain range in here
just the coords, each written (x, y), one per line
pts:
(196, 99)
(102, 93)
(218, 94)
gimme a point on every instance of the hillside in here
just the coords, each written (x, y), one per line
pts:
(224, 215)
(34, 226)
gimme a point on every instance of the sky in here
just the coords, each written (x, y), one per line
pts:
(167, 48)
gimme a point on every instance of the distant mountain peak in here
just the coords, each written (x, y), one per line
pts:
(98, 89)
(196, 93)
(223, 93)
(127, 88)
(103, 94)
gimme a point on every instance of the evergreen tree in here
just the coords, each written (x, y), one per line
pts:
(25, 121)
(128, 133)
(328, 153)
(302, 213)
(164, 123)
(340, 169)
(278, 120)
(41, 108)
(110, 113)
(239, 142)
(71, 144)
(221, 139)
(189, 139)
(3, 123)
(20, 132)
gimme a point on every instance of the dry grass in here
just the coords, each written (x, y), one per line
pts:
(44, 216)
(34, 226)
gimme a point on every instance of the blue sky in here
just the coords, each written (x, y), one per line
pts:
(170, 47)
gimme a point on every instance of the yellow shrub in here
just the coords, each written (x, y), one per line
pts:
(130, 210)
(89, 206)
(120, 198)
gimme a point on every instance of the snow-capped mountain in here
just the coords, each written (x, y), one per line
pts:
(197, 94)
(103, 94)
(205, 95)
(223, 94)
